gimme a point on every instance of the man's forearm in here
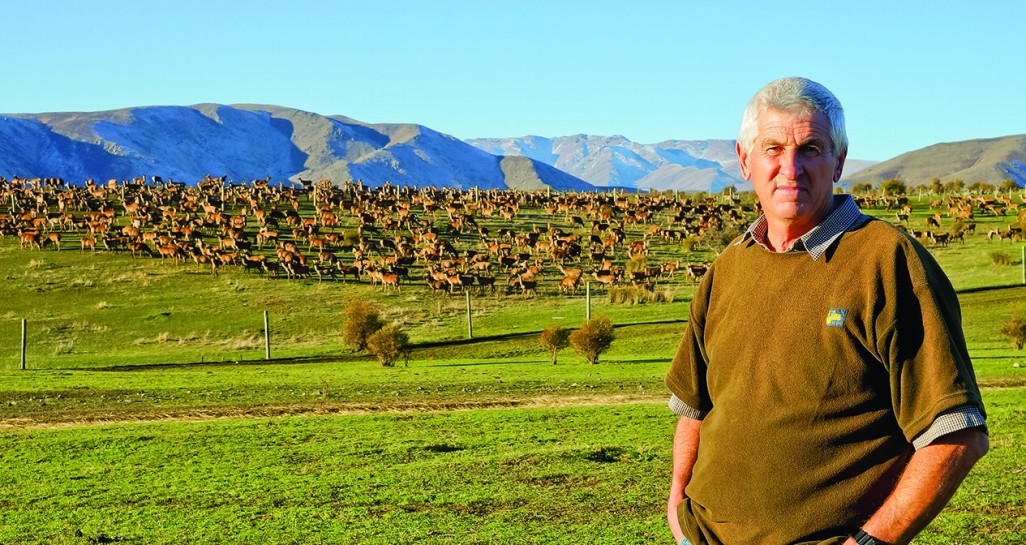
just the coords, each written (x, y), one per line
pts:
(932, 476)
(685, 452)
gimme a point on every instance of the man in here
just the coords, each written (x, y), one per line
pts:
(824, 387)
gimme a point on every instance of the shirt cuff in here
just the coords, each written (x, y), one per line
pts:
(683, 409)
(952, 420)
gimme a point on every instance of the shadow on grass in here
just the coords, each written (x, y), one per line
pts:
(991, 288)
(352, 357)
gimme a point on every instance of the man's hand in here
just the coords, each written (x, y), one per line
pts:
(931, 477)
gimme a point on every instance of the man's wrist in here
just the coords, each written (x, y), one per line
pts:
(862, 538)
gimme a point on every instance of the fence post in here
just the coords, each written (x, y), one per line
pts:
(1024, 265)
(587, 303)
(470, 322)
(24, 334)
(267, 337)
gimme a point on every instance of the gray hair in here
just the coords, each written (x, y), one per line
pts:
(794, 95)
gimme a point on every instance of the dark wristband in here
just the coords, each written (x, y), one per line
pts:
(862, 538)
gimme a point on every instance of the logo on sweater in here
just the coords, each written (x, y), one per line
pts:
(835, 317)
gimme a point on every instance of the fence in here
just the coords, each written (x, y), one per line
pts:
(63, 342)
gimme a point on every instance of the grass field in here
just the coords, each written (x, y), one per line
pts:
(148, 415)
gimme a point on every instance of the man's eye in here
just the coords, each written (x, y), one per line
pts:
(811, 151)
(773, 150)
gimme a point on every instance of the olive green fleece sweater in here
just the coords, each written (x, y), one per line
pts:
(815, 377)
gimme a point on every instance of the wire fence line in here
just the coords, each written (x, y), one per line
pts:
(70, 343)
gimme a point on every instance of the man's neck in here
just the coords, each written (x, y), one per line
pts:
(781, 238)
(782, 234)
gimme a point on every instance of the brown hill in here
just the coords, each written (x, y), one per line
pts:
(989, 160)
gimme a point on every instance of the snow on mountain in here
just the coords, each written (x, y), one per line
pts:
(245, 142)
(615, 161)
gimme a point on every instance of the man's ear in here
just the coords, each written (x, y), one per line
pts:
(742, 161)
(840, 166)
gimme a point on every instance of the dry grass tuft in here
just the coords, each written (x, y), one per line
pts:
(639, 295)
(64, 348)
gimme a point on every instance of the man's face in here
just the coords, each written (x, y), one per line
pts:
(793, 168)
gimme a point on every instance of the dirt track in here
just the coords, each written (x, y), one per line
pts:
(202, 414)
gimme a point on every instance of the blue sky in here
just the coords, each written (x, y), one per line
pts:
(909, 74)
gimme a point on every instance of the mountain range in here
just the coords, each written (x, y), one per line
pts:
(245, 142)
(614, 161)
(248, 141)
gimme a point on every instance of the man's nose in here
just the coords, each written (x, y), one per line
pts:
(790, 164)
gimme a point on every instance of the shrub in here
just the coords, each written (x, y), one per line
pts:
(593, 338)
(350, 238)
(718, 238)
(388, 344)
(1009, 185)
(893, 186)
(636, 264)
(864, 188)
(360, 320)
(1015, 330)
(554, 339)
(1000, 257)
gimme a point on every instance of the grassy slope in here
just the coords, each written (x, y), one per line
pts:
(971, 161)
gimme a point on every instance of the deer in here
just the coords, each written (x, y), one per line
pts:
(264, 235)
(30, 238)
(938, 238)
(53, 238)
(670, 268)
(171, 252)
(696, 271)
(526, 286)
(605, 277)
(87, 242)
(569, 283)
(349, 270)
(485, 281)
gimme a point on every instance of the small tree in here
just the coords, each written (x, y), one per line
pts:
(555, 339)
(388, 344)
(893, 186)
(1009, 185)
(718, 237)
(360, 320)
(954, 186)
(593, 338)
(863, 188)
(981, 188)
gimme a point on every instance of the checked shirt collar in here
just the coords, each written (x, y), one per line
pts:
(845, 217)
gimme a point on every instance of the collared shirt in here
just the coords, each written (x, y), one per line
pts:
(846, 216)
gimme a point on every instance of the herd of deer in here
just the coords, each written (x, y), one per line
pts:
(386, 234)
(962, 210)
(391, 235)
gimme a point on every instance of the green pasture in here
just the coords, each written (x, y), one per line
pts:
(105, 310)
(149, 415)
(532, 475)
